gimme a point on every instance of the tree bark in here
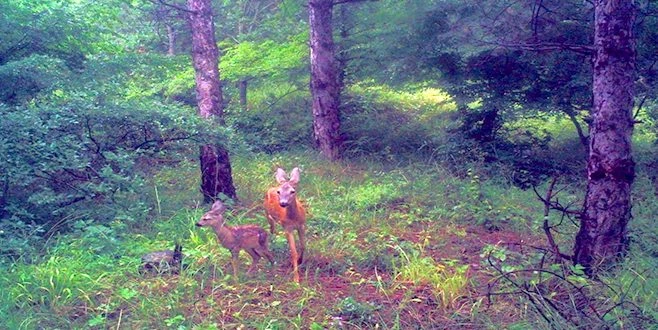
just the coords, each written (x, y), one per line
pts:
(215, 164)
(602, 238)
(324, 85)
(216, 176)
(242, 90)
(171, 40)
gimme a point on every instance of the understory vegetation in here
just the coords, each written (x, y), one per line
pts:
(454, 204)
(404, 233)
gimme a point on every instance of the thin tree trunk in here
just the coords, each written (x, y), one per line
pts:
(602, 238)
(4, 196)
(324, 79)
(584, 140)
(242, 89)
(215, 164)
(171, 40)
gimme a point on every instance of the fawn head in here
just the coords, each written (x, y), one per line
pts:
(286, 189)
(214, 216)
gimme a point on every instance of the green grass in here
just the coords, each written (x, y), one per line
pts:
(385, 248)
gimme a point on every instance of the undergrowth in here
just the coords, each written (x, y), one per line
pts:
(388, 247)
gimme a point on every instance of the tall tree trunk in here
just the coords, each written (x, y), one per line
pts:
(171, 40)
(242, 90)
(324, 79)
(216, 175)
(602, 237)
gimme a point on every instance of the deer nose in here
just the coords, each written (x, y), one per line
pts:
(198, 224)
(283, 204)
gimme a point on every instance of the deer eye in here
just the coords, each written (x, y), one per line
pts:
(292, 191)
(278, 192)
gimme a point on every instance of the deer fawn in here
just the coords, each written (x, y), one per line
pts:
(251, 238)
(282, 206)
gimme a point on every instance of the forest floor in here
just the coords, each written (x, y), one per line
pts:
(409, 305)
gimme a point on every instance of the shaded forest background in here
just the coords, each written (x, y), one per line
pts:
(455, 117)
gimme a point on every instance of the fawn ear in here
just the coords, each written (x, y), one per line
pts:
(218, 206)
(294, 176)
(280, 175)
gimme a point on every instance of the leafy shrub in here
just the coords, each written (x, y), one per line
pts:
(378, 121)
(520, 151)
(24, 79)
(284, 125)
(72, 158)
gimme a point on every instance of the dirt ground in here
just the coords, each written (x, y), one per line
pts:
(410, 305)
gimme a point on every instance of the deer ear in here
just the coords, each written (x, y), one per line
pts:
(280, 175)
(217, 206)
(294, 175)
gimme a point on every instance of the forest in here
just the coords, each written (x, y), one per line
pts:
(328, 164)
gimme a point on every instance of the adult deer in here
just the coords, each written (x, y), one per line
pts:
(282, 206)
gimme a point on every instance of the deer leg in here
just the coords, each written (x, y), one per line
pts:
(255, 256)
(301, 232)
(234, 262)
(293, 255)
(272, 224)
(266, 252)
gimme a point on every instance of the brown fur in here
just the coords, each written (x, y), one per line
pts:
(251, 238)
(283, 207)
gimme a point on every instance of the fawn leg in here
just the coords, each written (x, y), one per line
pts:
(255, 257)
(293, 255)
(234, 262)
(266, 252)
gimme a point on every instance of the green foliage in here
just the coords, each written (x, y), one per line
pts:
(363, 265)
(73, 158)
(281, 122)
(560, 295)
(356, 313)
(268, 58)
(98, 141)
(22, 80)
(68, 30)
(446, 283)
(383, 123)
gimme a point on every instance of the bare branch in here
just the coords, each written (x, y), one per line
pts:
(340, 2)
(546, 46)
(171, 5)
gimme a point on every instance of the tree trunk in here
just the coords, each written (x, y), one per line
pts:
(242, 89)
(602, 238)
(216, 176)
(324, 79)
(171, 40)
(584, 139)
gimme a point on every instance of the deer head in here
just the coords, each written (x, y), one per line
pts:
(213, 217)
(286, 189)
